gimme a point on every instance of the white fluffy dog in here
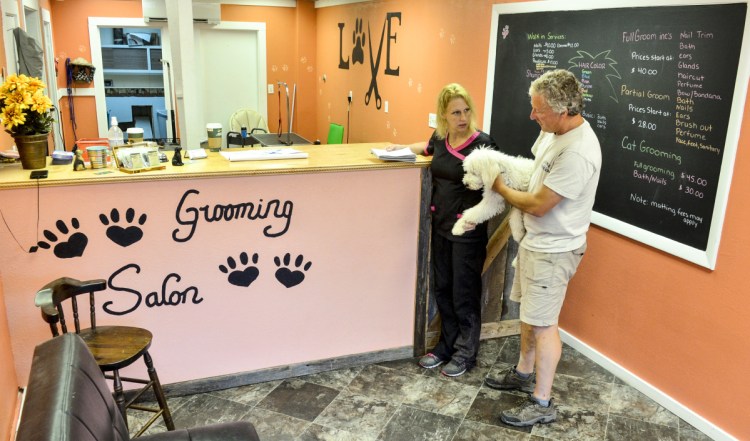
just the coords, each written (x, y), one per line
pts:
(481, 169)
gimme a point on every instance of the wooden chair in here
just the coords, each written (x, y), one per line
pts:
(113, 347)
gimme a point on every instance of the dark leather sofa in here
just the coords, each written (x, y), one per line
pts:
(68, 399)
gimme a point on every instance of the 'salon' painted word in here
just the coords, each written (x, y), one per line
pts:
(152, 299)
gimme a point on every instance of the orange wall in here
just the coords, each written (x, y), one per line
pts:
(70, 27)
(680, 327)
(436, 42)
(651, 315)
(290, 58)
(290, 48)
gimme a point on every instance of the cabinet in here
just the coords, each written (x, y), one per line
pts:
(132, 59)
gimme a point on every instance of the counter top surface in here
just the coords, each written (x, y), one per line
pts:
(321, 158)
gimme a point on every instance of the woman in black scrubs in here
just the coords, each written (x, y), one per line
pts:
(457, 261)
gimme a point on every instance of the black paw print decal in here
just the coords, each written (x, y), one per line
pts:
(358, 38)
(241, 277)
(287, 277)
(123, 236)
(73, 247)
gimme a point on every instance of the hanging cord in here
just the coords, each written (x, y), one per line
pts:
(279, 110)
(59, 127)
(35, 247)
(348, 112)
(71, 107)
(288, 118)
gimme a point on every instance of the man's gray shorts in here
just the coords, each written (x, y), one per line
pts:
(540, 283)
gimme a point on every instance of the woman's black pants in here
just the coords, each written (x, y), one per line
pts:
(457, 270)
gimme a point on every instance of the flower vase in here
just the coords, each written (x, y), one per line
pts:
(33, 150)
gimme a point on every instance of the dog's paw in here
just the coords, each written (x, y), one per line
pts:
(473, 182)
(458, 228)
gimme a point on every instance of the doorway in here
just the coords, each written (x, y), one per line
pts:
(51, 73)
(231, 70)
(240, 63)
(133, 80)
(10, 22)
(126, 68)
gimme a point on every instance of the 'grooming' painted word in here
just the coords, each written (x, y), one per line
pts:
(190, 216)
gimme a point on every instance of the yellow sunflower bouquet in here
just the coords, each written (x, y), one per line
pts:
(25, 107)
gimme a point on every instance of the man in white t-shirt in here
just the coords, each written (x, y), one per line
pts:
(557, 213)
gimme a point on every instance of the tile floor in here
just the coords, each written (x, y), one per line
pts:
(399, 401)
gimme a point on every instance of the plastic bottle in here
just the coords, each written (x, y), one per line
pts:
(115, 138)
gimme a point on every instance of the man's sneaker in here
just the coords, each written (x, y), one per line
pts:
(530, 413)
(510, 380)
(454, 368)
(429, 361)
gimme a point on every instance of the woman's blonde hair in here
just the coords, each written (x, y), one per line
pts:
(450, 91)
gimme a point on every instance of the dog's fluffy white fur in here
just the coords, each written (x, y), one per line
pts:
(481, 169)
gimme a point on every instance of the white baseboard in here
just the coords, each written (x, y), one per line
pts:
(647, 389)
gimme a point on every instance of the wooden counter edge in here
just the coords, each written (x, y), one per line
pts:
(322, 159)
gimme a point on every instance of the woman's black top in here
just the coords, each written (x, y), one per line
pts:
(450, 197)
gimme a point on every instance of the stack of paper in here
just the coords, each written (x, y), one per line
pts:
(264, 154)
(10, 154)
(404, 155)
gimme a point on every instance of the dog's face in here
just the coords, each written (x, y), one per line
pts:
(472, 181)
(480, 169)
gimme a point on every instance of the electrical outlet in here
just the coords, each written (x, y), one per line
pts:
(270, 88)
(432, 120)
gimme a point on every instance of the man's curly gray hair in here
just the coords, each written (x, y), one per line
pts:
(561, 89)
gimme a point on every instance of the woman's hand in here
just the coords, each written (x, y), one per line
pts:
(417, 148)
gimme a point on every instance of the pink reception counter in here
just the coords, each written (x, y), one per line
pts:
(243, 271)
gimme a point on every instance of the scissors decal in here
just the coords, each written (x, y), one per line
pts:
(374, 66)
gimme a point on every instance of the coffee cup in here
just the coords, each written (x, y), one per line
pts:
(135, 134)
(214, 135)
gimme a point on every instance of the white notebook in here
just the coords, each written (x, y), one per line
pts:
(264, 154)
(405, 155)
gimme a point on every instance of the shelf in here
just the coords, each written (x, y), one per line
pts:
(131, 59)
(132, 72)
(134, 46)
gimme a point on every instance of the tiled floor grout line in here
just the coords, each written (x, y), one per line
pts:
(609, 408)
(433, 403)
(463, 418)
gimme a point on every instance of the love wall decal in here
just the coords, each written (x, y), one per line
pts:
(359, 40)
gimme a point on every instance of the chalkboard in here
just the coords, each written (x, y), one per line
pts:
(664, 91)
